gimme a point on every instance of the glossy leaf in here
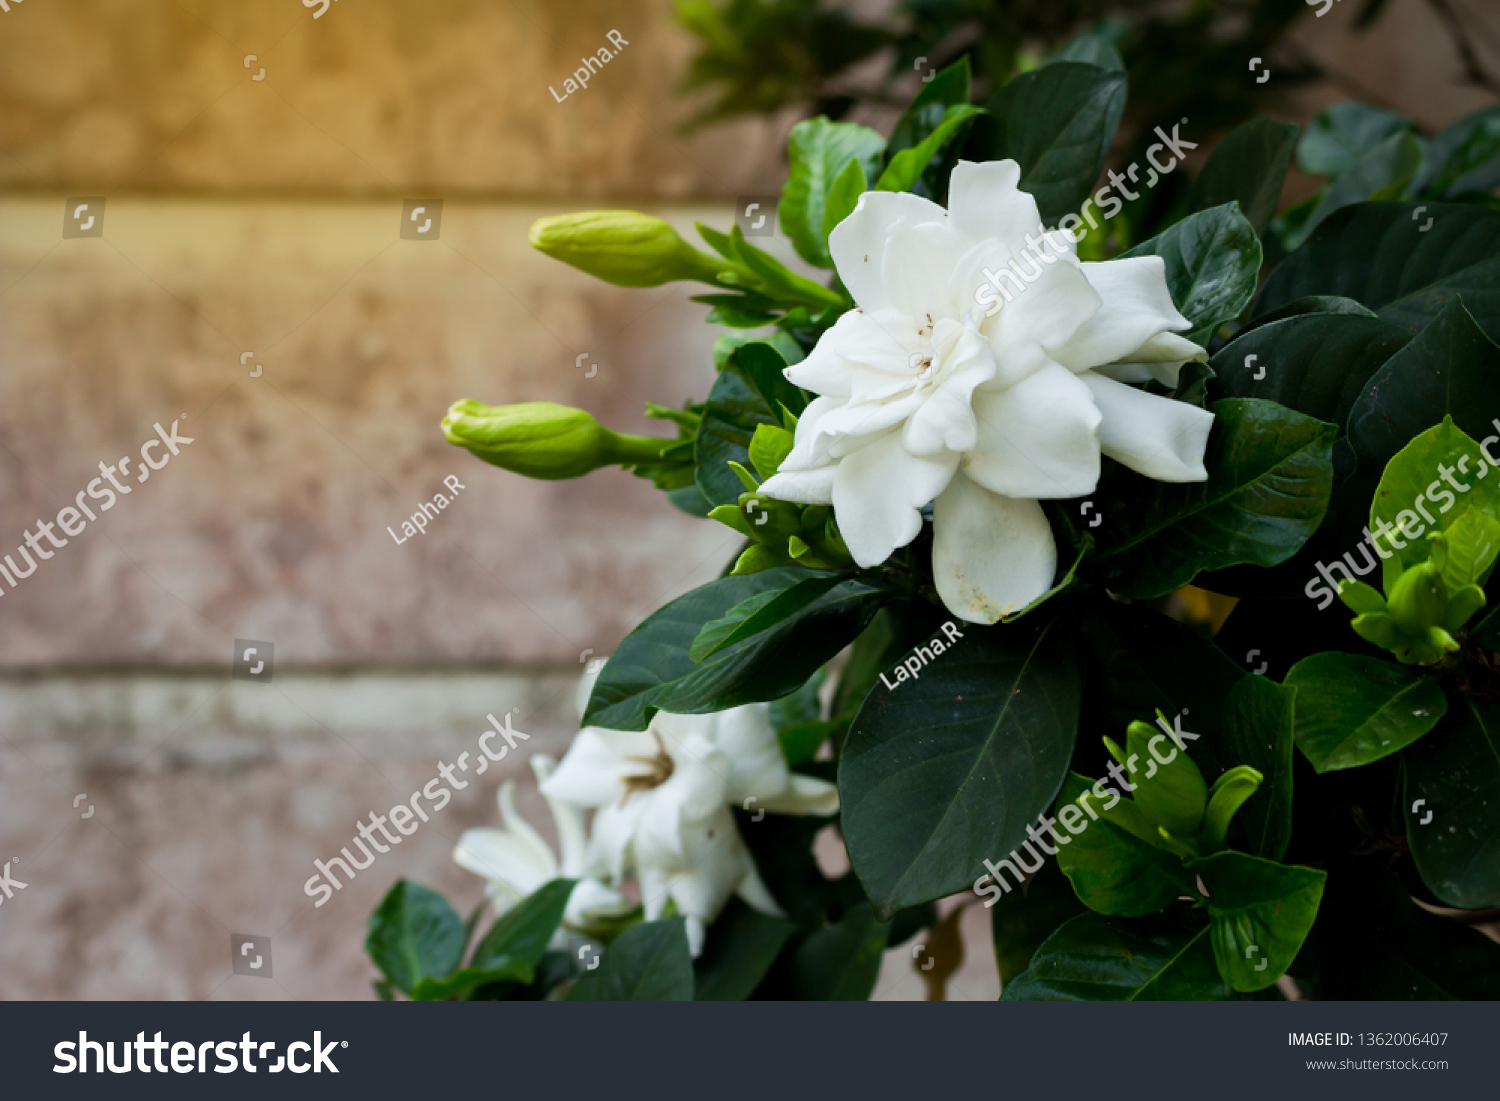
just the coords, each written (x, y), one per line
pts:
(649, 962)
(1352, 709)
(1260, 912)
(908, 165)
(1382, 172)
(652, 670)
(1248, 167)
(415, 934)
(1096, 958)
(1452, 806)
(1057, 122)
(1212, 260)
(1315, 363)
(948, 769)
(1270, 473)
(1389, 257)
(1465, 157)
(819, 152)
(1413, 493)
(761, 613)
(1339, 136)
(1450, 368)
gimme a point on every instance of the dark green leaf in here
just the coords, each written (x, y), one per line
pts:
(1465, 157)
(1260, 912)
(761, 613)
(415, 934)
(1315, 363)
(1256, 730)
(1380, 173)
(1270, 473)
(819, 152)
(1057, 122)
(1091, 48)
(1452, 806)
(1212, 260)
(649, 962)
(841, 962)
(1352, 709)
(1096, 958)
(948, 769)
(1339, 136)
(740, 948)
(652, 669)
(1247, 167)
(521, 935)
(948, 88)
(1450, 368)
(1389, 257)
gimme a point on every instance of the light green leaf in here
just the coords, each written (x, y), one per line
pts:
(1260, 913)
(821, 153)
(1352, 709)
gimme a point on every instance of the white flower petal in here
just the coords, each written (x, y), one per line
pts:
(802, 487)
(1036, 439)
(591, 902)
(1137, 307)
(877, 493)
(984, 201)
(590, 772)
(1058, 301)
(757, 766)
(804, 795)
(991, 555)
(757, 895)
(572, 837)
(858, 243)
(503, 858)
(1159, 437)
(918, 262)
(610, 842)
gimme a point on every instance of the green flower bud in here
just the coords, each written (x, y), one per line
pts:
(624, 248)
(1417, 600)
(543, 440)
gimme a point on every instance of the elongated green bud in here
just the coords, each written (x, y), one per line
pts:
(624, 248)
(543, 440)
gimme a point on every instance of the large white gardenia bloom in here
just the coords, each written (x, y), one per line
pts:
(925, 398)
(664, 796)
(517, 860)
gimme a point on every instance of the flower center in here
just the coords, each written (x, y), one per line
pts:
(658, 771)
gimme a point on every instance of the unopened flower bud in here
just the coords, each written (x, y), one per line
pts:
(625, 248)
(543, 440)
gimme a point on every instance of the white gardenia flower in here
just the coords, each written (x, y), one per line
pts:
(664, 796)
(517, 860)
(925, 398)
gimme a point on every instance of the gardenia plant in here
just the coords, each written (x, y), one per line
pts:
(1183, 727)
